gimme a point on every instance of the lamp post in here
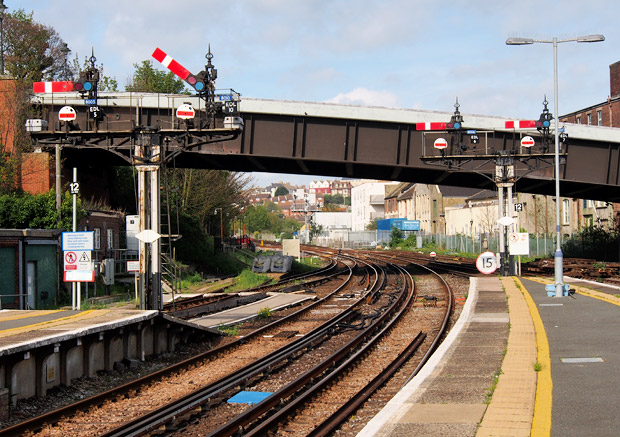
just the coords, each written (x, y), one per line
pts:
(559, 269)
(3, 8)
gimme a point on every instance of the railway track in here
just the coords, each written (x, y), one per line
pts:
(357, 310)
(316, 397)
(184, 376)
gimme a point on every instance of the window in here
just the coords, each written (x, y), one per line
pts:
(97, 237)
(566, 212)
(579, 120)
(110, 235)
(589, 119)
(599, 115)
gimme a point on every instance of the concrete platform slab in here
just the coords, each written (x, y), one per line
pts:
(246, 312)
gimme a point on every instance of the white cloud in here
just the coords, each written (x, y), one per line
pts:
(366, 97)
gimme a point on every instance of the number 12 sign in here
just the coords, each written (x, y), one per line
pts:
(486, 263)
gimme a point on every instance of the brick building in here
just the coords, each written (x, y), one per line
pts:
(601, 114)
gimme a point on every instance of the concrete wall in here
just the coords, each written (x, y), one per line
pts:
(33, 372)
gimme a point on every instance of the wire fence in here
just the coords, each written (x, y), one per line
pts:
(540, 245)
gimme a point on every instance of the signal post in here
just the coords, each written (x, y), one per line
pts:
(148, 153)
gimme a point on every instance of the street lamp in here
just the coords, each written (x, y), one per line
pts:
(3, 8)
(559, 270)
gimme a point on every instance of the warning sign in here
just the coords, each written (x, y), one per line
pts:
(78, 260)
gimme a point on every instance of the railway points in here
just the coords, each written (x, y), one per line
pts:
(490, 375)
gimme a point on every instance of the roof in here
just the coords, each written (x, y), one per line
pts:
(396, 190)
(447, 191)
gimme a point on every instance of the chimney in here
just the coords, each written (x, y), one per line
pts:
(614, 79)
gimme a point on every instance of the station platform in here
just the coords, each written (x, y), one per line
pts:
(517, 363)
(43, 349)
(274, 301)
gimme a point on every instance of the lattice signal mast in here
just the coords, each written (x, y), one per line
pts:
(148, 148)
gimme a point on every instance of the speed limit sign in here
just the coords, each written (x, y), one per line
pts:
(486, 263)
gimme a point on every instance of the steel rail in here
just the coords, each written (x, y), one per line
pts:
(156, 418)
(271, 423)
(36, 423)
(345, 353)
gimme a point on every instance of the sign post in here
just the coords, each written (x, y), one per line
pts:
(486, 263)
(519, 244)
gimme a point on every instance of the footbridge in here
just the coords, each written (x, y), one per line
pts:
(340, 141)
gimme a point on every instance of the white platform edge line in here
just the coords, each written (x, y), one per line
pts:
(394, 410)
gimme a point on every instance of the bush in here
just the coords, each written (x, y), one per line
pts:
(264, 313)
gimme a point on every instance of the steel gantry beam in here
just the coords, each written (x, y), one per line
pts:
(346, 141)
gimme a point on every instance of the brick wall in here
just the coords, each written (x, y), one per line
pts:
(37, 173)
(614, 79)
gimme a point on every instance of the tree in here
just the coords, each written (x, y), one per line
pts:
(72, 72)
(32, 51)
(281, 191)
(150, 80)
(372, 226)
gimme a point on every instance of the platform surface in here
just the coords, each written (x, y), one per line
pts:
(245, 312)
(567, 389)
(22, 330)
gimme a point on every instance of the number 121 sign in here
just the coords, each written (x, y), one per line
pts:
(486, 263)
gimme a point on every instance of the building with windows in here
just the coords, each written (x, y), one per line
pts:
(320, 187)
(341, 187)
(606, 113)
(367, 204)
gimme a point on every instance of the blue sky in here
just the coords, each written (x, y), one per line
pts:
(395, 53)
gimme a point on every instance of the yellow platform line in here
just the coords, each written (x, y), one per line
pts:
(541, 423)
(584, 291)
(11, 331)
(32, 313)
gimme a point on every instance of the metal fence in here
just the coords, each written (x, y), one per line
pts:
(540, 246)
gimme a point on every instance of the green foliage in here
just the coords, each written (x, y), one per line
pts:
(9, 167)
(25, 210)
(248, 279)
(264, 313)
(281, 191)
(31, 50)
(229, 330)
(268, 218)
(372, 226)
(593, 242)
(396, 237)
(337, 199)
(190, 279)
(148, 79)
(194, 246)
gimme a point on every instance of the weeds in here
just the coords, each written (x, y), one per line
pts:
(265, 313)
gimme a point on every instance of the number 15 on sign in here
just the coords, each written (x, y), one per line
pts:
(486, 263)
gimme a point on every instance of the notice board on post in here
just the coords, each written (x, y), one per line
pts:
(291, 247)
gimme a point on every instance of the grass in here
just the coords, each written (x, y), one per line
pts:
(537, 367)
(248, 279)
(491, 390)
(229, 330)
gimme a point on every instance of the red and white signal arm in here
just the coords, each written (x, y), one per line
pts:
(67, 113)
(440, 143)
(519, 124)
(186, 111)
(527, 141)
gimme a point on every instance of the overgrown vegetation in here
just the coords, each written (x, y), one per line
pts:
(595, 243)
(19, 210)
(248, 279)
(264, 313)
